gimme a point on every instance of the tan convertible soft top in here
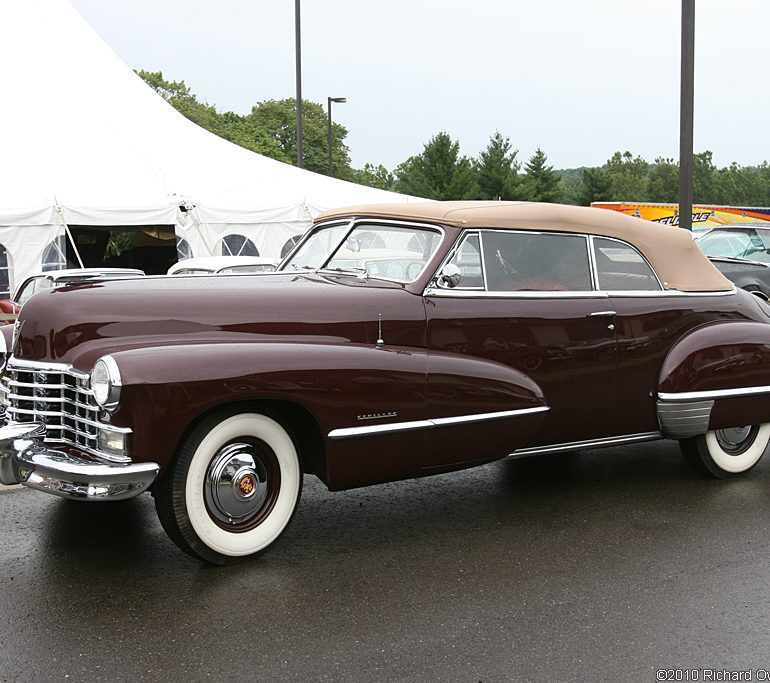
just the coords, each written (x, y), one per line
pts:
(671, 251)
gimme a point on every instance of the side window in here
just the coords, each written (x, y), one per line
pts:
(541, 262)
(468, 259)
(621, 268)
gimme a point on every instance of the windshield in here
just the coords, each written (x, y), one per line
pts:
(384, 251)
(750, 243)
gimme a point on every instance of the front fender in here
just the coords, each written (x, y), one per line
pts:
(379, 416)
(717, 376)
(165, 389)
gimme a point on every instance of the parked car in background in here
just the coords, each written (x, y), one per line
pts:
(59, 278)
(511, 329)
(202, 265)
(742, 254)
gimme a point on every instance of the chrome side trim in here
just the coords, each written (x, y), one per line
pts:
(599, 294)
(681, 420)
(713, 395)
(591, 443)
(481, 294)
(350, 432)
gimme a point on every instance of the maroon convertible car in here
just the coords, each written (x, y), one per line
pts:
(394, 341)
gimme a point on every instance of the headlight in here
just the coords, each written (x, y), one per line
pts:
(106, 383)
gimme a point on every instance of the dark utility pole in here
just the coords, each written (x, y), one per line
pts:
(686, 114)
(329, 135)
(298, 60)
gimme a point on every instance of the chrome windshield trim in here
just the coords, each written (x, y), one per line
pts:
(591, 443)
(710, 395)
(349, 432)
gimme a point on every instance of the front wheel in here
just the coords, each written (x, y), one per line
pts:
(724, 453)
(232, 488)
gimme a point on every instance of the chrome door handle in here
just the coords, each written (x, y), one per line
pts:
(602, 314)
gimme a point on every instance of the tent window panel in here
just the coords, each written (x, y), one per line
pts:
(238, 245)
(5, 274)
(54, 256)
(183, 250)
(289, 245)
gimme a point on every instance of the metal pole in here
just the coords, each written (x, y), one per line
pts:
(686, 107)
(298, 62)
(329, 135)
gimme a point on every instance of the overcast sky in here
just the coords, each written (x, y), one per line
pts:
(580, 79)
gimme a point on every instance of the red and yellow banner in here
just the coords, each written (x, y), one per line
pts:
(704, 216)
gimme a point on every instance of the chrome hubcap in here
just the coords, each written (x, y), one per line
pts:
(735, 440)
(236, 483)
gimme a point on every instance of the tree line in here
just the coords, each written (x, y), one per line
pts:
(440, 171)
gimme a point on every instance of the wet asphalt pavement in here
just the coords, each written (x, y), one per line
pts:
(598, 566)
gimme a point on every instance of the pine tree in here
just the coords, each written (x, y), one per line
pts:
(439, 172)
(541, 183)
(497, 169)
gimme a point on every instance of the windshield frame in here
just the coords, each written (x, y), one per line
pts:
(350, 225)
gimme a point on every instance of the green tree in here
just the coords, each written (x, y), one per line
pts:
(663, 181)
(277, 120)
(704, 179)
(497, 169)
(628, 177)
(374, 176)
(179, 95)
(541, 183)
(595, 186)
(438, 172)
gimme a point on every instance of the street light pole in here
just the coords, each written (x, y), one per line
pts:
(329, 101)
(686, 107)
(298, 68)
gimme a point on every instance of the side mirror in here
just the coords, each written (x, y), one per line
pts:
(449, 277)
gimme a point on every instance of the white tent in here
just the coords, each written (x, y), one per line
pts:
(84, 141)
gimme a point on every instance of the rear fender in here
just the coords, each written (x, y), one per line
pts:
(717, 376)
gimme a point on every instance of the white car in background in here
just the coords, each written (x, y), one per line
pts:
(203, 265)
(9, 308)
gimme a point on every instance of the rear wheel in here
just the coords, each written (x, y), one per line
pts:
(232, 488)
(724, 453)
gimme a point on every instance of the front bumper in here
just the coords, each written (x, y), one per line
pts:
(24, 459)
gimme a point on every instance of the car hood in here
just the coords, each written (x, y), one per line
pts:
(78, 324)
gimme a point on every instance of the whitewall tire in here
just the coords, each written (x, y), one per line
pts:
(232, 488)
(725, 453)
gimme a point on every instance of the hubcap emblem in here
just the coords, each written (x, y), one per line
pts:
(246, 485)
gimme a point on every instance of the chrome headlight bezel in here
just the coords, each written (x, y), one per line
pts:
(3, 352)
(105, 383)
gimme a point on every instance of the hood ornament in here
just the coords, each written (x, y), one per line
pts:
(380, 341)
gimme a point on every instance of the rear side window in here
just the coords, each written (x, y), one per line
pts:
(541, 262)
(621, 268)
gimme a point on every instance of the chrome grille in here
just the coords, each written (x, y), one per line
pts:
(55, 395)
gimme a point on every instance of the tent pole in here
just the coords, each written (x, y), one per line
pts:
(74, 246)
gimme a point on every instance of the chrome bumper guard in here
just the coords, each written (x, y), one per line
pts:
(25, 460)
